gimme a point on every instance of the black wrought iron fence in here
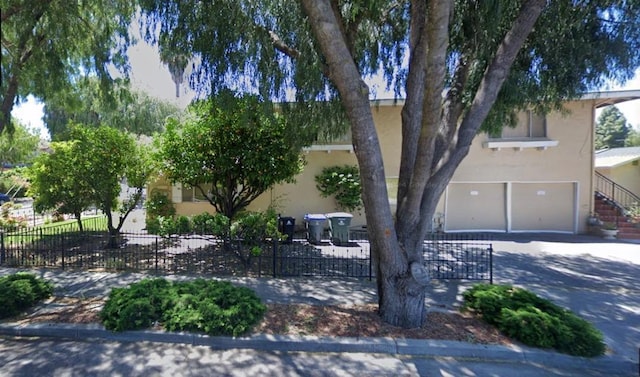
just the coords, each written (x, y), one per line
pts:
(466, 258)
(446, 256)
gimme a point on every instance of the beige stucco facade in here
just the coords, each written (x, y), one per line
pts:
(510, 183)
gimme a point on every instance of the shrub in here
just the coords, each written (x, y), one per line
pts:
(533, 320)
(343, 183)
(212, 307)
(206, 223)
(159, 204)
(20, 291)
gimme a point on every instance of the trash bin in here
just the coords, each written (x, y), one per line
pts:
(339, 225)
(287, 226)
(315, 227)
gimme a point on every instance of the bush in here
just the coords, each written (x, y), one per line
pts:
(343, 183)
(534, 321)
(212, 307)
(20, 291)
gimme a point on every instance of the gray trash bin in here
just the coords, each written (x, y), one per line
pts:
(339, 223)
(315, 227)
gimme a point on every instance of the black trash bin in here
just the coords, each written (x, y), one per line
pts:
(287, 227)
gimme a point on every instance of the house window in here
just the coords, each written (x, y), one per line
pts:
(192, 194)
(529, 132)
(530, 125)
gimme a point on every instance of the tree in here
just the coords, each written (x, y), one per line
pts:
(633, 140)
(231, 150)
(470, 67)
(122, 108)
(19, 147)
(87, 170)
(611, 129)
(47, 45)
(58, 181)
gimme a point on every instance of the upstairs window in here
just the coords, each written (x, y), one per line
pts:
(530, 125)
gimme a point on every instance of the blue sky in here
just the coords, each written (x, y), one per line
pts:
(150, 75)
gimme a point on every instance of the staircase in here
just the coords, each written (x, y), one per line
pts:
(608, 211)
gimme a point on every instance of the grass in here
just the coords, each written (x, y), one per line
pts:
(30, 235)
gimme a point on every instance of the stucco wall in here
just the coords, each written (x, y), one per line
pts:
(569, 163)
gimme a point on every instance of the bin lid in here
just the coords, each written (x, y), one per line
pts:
(315, 216)
(338, 214)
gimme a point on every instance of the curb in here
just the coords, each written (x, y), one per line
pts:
(289, 343)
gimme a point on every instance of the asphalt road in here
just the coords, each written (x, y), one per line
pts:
(35, 357)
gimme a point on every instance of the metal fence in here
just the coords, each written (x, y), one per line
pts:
(446, 256)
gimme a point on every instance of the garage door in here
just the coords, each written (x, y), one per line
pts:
(543, 206)
(476, 206)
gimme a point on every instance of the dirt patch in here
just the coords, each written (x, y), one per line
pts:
(301, 319)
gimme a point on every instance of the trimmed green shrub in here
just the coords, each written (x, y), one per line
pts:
(212, 307)
(534, 321)
(20, 291)
(136, 307)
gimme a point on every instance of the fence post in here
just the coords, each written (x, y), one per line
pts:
(275, 252)
(2, 250)
(62, 248)
(490, 263)
(156, 253)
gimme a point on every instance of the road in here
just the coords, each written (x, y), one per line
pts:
(34, 357)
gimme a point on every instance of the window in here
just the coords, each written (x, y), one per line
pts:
(530, 132)
(192, 194)
(530, 125)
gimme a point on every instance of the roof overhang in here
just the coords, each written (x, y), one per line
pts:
(609, 98)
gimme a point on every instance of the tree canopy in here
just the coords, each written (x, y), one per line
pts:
(463, 66)
(20, 147)
(231, 150)
(47, 45)
(87, 170)
(612, 129)
(121, 108)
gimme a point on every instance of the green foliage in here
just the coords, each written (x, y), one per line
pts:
(19, 147)
(343, 183)
(20, 291)
(611, 129)
(159, 204)
(231, 150)
(59, 180)
(534, 321)
(9, 222)
(212, 307)
(254, 227)
(12, 179)
(48, 46)
(206, 223)
(124, 109)
(633, 140)
(87, 170)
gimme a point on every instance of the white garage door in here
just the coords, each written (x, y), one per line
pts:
(476, 207)
(543, 206)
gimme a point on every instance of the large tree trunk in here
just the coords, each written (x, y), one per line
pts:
(400, 281)
(433, 143)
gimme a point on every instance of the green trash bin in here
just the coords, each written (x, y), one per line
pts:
(339, 223)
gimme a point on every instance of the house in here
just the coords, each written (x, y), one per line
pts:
(620, 165)
(537, 177)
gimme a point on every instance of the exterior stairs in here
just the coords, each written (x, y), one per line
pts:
(609, 211)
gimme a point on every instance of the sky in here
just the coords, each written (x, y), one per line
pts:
(150, 75)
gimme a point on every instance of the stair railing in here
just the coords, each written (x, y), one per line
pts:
(618, 195)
